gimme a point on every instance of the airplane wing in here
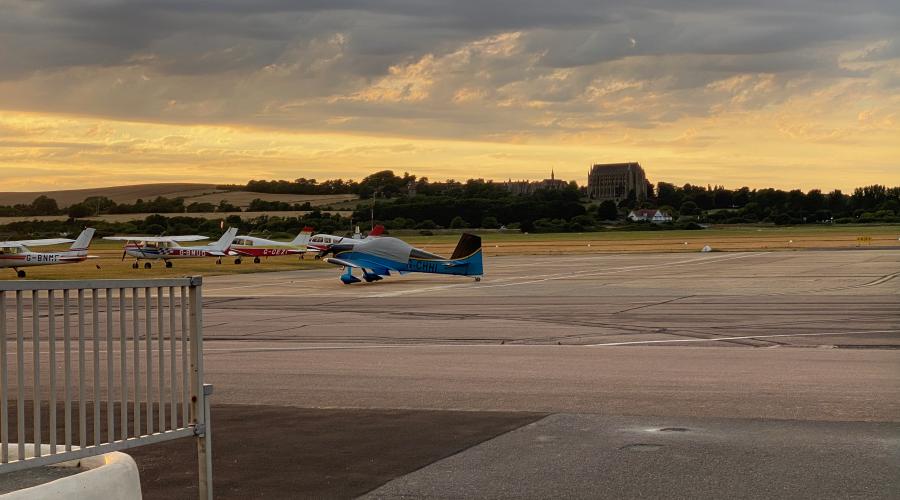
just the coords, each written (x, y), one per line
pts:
(342, 262)
(34, 243)
(375, 267)
(194, 237)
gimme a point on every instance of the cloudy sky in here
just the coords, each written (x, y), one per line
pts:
(785, 93)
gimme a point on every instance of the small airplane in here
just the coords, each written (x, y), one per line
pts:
(252, 246)
(166, 248)
(15, 254)
(379, 257)
(321, 243)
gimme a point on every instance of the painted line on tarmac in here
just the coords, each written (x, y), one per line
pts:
(408, 346)
(209, 289)
(565, 275)
(745, 337)
(700, 260)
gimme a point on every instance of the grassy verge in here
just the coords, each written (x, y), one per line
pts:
(742, 238)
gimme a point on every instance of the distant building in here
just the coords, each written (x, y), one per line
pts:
(529, 187)
(652, 215)
(615, 181)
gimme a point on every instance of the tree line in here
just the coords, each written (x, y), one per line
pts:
(407, 202)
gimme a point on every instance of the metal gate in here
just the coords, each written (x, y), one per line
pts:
(110, 365)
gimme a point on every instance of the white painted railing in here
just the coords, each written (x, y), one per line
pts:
(138, 346)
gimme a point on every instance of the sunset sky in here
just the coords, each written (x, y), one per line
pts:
(781, 93)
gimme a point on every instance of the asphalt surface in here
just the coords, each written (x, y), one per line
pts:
(784, 366)
(591, 456)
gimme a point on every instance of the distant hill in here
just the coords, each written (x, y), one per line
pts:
(189, 191)
(119, 194)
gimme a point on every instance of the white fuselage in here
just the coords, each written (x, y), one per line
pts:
(167, 251)
(21, 256)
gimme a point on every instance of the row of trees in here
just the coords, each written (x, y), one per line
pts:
(98, 205)
(718, 204)
(410, 202)
(161, 225)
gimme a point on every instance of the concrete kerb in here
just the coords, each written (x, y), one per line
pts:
(111, 476)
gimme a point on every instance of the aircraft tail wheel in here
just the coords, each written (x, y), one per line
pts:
(237, 261)
(147, 265)
(168, 263)
(477, 278)
(256, 260)
(20, 274)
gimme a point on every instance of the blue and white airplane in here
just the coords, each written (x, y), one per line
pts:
(381, 256)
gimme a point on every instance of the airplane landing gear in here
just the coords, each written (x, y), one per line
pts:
(168, 264)
(477, 278)
(348, 278)
(20, 274)
(370, 277)
(256, 260)
(218, 261)
(134, 265)
(147, 265)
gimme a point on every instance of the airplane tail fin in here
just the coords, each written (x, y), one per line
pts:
(303, 238)
(378, 230)
(468, 244)
(83, 241)
(226, 240)
(469, 250)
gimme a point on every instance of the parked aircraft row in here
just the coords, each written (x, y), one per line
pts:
(375, 256)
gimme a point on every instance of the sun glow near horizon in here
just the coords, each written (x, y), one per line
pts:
(341, 91)
(51, 152)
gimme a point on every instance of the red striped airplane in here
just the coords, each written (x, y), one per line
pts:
(16, 254)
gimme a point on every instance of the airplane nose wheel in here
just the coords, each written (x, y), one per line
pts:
(147, 265)
(168, 264)
(134, 265)
(218, 261)
(20, 274)
(477, 278)
(237, 261)
(256, 260)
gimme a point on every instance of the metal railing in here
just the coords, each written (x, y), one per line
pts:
(129, 373)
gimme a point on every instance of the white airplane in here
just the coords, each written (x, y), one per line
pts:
(321, 243)
(166, 248)
(15, 254)
(252, 246)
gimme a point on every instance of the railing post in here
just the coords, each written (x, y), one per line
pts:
(199, 405)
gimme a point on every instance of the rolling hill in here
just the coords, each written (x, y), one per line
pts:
(190, 192)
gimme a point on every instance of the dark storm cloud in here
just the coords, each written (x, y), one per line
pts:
(303, 64)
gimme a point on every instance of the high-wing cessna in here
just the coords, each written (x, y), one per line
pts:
(379, 257)
(166, 248)
(15, 254)
(321, 243)
(252, 246)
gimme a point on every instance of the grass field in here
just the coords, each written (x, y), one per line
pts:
(721, 239)
(200, 193)
(198, 215)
